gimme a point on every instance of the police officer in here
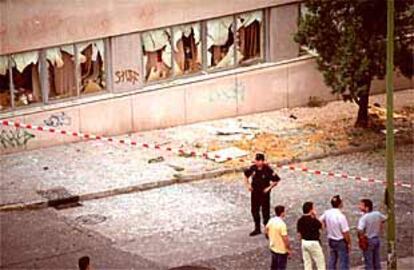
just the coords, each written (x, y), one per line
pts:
(263, 179)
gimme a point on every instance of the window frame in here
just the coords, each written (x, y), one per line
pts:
(172, 74)
(12, 86)
(106, 71)
(264, 41)
(200, 72)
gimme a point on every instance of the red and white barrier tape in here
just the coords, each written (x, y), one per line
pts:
(88, 136)
(342, 175)
(181, 151)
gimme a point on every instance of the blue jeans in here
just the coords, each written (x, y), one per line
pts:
(372, 254)
(338, 251)
(279, 261)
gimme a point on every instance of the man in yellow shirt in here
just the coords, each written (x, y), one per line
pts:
(279, 246)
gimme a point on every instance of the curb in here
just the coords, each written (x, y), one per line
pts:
(179, 179)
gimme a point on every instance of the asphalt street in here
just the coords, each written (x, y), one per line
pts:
(204, 224)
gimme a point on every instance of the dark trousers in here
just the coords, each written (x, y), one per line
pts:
(260, 200)
(279, 261)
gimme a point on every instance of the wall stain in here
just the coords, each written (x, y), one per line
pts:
(228, 94)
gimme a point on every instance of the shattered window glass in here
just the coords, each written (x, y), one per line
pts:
(5, 93)
(92, 68)
(157, 54)
(220, 42)
(187, 48)
(26, 79)
(61, 67)
(249, 33)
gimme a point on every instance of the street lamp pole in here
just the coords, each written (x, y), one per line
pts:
(392, 257)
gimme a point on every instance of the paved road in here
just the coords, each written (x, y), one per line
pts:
(204, 223)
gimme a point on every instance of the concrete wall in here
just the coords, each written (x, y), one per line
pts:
(44, 23)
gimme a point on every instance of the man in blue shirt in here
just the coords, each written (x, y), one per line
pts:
(370, 227)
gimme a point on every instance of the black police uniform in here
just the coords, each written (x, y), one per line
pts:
(260, 181)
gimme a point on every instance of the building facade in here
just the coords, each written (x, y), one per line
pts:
(110, 67)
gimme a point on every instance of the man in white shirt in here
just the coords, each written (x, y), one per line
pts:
(370, 228)
(338, 235)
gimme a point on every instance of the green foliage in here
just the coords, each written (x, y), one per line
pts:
(349, 37)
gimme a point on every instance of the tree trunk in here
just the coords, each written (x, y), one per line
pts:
(362, 119)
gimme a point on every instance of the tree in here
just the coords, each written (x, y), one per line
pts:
(349, 38)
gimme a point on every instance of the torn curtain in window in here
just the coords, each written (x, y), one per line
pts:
(92, 66)
(220, 42)
(187, 48)
(157, 54)
(249, 30)
(61, 64)
(26, 79)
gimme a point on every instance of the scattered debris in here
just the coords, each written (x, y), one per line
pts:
(249, 126)
(176, 168)
(198, 145)
(316, 102)
(156, 160)
(381, 113)
(186, 154)
(231, 131)
(226, 154)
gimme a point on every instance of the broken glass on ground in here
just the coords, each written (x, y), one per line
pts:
(226, 154)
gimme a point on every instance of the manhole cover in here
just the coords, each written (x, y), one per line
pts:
(91, 219)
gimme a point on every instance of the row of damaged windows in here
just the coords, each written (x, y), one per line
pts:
(179, 50)
(49, 74)
(71, 71)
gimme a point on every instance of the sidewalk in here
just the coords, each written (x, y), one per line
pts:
(402, 264)
(95, 169)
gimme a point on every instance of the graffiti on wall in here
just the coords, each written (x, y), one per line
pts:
(15, 137)
(126, 75)
(58, 120)
(231, 93)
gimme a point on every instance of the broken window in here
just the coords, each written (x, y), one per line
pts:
(5, 97)
(220, 42)
(61, 69)
(26, 79)
(187, 48)
(249, 33)
(157, 54)
(92, 71)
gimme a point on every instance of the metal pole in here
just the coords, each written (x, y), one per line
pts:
(392, 258)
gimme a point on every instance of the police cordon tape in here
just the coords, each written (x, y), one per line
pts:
(181, 151)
